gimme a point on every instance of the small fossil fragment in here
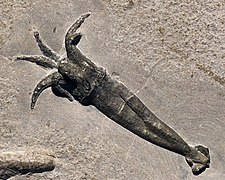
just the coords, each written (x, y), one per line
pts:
(77, 77)
(24, 162)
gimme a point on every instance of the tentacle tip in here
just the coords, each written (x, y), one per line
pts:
(86, 15)
(36, 33)
(32, 105)
(33, 102)
(17, 58)
(70, 99)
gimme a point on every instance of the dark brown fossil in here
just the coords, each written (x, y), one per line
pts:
(76, 77)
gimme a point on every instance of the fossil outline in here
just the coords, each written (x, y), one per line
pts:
(79, 78)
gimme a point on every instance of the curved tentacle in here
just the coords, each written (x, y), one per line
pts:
(40, 87)
(51, 80)
(72, 30)
(71, 41)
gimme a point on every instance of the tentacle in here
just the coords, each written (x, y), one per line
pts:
(63, 92)
(42, 61)
(72, 30)
(71, 41)
(46, 50)
(41, 86)
(59, 90)
(51, 80)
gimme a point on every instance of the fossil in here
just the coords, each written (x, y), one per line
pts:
(24, 162)
(77, 77)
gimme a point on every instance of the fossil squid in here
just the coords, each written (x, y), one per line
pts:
(77, 77)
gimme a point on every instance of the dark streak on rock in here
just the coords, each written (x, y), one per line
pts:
(210, 73)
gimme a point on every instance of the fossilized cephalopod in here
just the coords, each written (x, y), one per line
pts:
(76, 77)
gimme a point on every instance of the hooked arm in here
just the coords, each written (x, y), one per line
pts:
(71, 41)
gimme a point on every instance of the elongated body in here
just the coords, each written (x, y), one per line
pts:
(78, 78)
(115, 101)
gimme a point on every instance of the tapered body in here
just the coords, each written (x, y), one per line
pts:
(77, 77)
(119, 104)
